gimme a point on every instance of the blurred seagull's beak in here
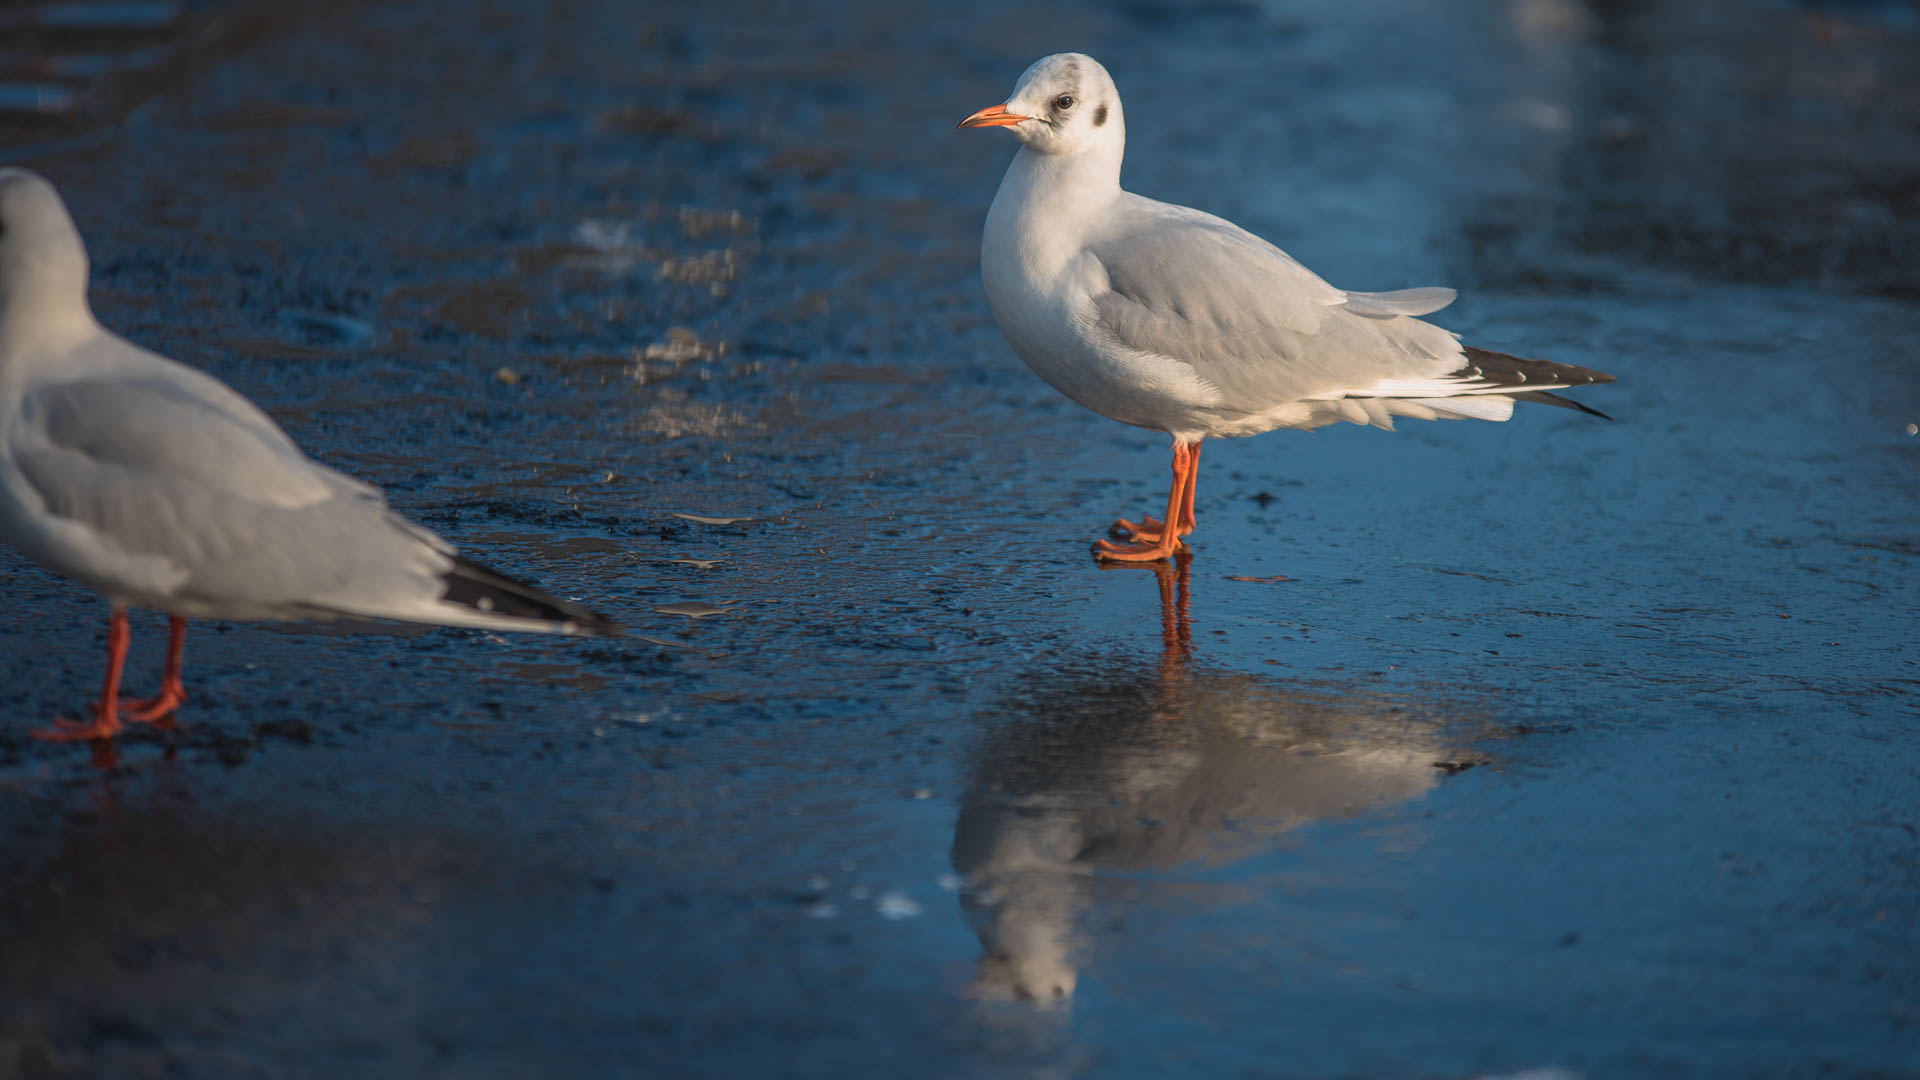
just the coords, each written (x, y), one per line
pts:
(993, 116)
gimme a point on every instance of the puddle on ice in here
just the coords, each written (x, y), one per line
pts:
(1160, 773)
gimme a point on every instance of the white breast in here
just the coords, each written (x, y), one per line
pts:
(1040, 282)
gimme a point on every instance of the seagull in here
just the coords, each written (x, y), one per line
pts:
(160, 487)
(1174, 320)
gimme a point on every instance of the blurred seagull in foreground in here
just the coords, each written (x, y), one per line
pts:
(158, 486)
(1170, 319)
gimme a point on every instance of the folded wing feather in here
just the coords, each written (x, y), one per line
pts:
(252, 526)
(1249, 319)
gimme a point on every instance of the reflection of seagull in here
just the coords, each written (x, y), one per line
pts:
(160, 487)
(1191, 766)
(1178, 321)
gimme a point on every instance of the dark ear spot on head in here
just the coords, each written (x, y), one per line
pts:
(1100, 115)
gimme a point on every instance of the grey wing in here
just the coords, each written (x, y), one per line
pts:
(163, 429)
(137, 383)
(1251, 321)
(152, 474)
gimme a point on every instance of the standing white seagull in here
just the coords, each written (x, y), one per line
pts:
(1166, 318)
(158, 486)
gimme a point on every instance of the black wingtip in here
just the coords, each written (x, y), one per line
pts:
(1518, 371)
(1541, 397)
(471, 585)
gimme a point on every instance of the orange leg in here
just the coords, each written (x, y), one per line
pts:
(1193, 480)
(173, 692)
(105, 723)
(1179, 506)
(1149, 529)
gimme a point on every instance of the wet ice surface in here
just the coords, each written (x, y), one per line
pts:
(1561, 743)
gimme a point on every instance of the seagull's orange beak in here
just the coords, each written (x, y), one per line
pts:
(993, 116)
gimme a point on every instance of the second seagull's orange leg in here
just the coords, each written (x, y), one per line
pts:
(1167, 542)
(1149, 528)
(1186, 523)
(173, 691)
(105, 723)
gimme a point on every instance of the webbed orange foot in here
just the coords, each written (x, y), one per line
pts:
(103, 726)
(154, 709)
(1162, 547)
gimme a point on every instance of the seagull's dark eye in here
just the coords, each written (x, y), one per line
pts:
(1063, 102)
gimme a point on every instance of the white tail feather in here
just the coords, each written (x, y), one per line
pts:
(1469, 407)
(1389, 305)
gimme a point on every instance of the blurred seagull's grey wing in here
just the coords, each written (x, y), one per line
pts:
(159, 493)
(171, 431)
(157, 382)
(1254, 324)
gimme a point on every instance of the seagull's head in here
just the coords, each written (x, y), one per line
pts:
(42, 262)
(1065, 104)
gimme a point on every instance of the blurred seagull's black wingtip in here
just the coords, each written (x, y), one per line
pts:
(470, 585)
